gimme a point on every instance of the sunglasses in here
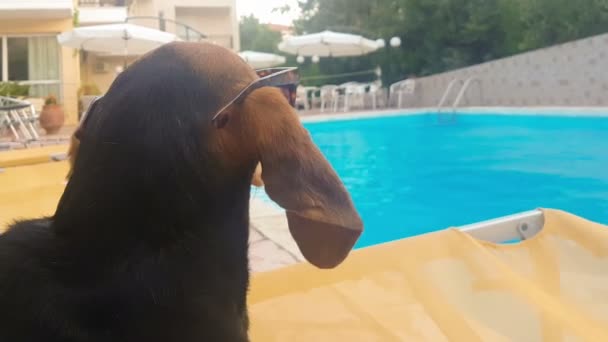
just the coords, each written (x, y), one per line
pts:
(286, 79)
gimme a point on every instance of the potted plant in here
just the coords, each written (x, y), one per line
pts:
(51, 116)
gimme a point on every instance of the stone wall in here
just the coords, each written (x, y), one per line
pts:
(571, 74)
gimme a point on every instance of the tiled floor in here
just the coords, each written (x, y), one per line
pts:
(270, 244)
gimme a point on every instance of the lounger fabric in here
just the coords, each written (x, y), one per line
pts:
(447, 286)
(31, 191)
(444, 286)
(35, 155)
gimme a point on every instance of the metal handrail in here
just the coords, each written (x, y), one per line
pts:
(446, 93)
(7, 103)
(102, 2)
(162, 20)
(464, 88)
(14, 115)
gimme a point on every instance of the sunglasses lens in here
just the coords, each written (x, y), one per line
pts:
(290, 94)
(288, 81)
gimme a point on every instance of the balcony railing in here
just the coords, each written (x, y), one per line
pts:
(38, 9)
(161, 23)
(118, 3)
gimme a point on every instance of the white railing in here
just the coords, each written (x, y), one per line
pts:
(460, 95)
(447, 93)
(42, 8)
(20, 118)
(463, 90)
(514, 227)
(102, 15)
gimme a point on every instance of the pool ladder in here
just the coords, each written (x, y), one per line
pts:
(465, 84)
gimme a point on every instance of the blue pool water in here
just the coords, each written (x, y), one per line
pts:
(409, 175)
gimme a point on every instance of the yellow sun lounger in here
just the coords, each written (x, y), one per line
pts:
(450, 285)
(32, 190)
(35, 155)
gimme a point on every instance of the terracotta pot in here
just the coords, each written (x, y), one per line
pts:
(51, 118)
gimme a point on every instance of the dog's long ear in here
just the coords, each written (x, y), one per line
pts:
(73, 152)
(77, 136)
(257, 180)
(321, 216)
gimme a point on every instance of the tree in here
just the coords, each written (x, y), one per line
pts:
(442, 35)
(549, 22)
(258, 37)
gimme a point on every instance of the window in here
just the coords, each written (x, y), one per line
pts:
(1, 60)
(33, 61)
(17, 59)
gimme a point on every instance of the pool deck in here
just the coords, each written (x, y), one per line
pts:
(271, 245)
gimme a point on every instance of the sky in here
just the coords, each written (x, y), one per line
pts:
(263, 10)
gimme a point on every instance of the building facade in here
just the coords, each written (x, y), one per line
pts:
(191, 20)
(30, 54)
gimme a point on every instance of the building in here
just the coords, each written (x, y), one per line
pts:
(284, 30)
(30, 54)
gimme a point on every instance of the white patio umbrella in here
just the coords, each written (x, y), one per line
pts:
(116, 39)
(328, 44)
(260, 60)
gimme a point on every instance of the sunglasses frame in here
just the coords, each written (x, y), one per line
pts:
(271, 77)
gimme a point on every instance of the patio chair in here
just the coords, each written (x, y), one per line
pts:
(354, 95)
(314, 96)
(375, 95)
(19, 117)
(328, 96)
(398, 91)
(302, 98)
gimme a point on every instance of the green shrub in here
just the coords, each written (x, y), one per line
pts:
(13, 89)
(88, 90)
(50, 100)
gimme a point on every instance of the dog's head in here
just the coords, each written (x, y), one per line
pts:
(182, 86)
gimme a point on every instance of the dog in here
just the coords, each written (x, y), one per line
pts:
(149, 241)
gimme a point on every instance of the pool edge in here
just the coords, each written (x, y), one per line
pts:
(539, 111)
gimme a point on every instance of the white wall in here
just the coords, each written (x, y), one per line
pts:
(571, 74)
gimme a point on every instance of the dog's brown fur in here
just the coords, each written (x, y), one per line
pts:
(149, 241)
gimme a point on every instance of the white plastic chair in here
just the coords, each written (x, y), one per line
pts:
(313, 96)
(302, 98)
(401, 89)
(20, 118)
(354, 95)
(375, 93)
(328, 95)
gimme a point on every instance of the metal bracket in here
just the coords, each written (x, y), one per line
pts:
(521, 226)
(525, 230)
(59, 156)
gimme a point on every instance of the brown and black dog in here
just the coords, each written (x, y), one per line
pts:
(149, 240)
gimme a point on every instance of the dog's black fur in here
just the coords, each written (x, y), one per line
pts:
(149, 241)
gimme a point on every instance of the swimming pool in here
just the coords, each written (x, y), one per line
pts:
(410, 175)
